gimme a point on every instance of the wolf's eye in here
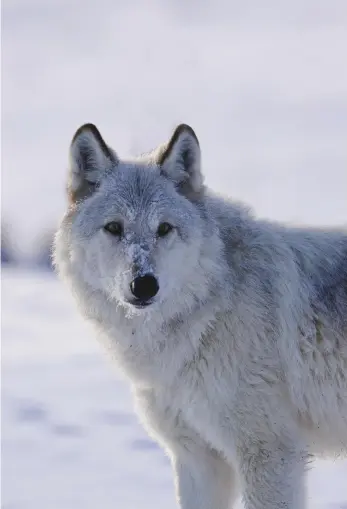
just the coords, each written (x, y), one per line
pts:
(114, 228)
(164, 229)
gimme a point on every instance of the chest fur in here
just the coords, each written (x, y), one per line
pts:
(155, 355)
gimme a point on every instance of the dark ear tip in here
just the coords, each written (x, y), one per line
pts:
(94, 132)
(181, 128)
(87, 127)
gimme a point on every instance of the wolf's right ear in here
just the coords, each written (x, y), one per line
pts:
(90, 159)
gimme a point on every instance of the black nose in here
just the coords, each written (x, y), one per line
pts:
(144, 287)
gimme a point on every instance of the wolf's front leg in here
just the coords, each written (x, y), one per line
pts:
(203, 479)
(273, 477)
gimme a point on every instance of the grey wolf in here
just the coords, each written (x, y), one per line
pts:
(231, 329)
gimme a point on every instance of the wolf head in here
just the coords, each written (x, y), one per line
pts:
(138, 230)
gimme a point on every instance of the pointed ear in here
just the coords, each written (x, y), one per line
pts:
(180, 159)
(90, 159)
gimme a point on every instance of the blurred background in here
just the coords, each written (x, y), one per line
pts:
(263, 84)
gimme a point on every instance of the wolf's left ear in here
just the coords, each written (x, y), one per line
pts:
(180, 159)
(90, 159)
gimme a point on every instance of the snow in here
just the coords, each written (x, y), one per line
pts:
(264, 86)
(70, 438)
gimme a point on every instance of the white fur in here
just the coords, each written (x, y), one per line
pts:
(239, 367)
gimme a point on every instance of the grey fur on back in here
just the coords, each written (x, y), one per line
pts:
(239, 362)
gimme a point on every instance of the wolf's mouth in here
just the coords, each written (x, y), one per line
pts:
(140, 304)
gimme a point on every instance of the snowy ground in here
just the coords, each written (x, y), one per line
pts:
(70, 439)
(264, 86)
